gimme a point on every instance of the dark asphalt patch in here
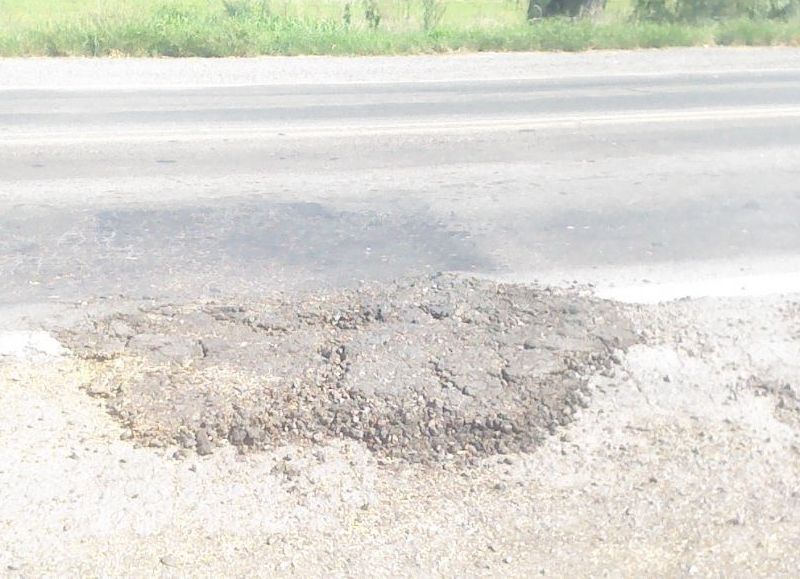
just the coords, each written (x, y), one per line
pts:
(236, 247)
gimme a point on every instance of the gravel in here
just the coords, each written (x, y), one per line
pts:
(435, 368)
(652, 477)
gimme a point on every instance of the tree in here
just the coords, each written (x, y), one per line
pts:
(571, 8)
(699, 10)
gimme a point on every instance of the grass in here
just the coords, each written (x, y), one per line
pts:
(255, 27)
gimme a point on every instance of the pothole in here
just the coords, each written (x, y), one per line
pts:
(437, 368)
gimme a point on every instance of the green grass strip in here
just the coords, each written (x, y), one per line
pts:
(215, 29)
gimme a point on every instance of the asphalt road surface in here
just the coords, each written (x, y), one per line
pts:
(200, 178)
(647, 173)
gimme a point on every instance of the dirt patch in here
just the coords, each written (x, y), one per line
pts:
(434, 368)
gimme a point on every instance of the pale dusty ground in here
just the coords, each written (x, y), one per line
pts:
(679, 468)
(112, 73)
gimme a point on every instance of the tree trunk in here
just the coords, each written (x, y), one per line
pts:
(534, 10)
(570, 7)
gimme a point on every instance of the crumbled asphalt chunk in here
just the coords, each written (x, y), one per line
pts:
(786, 397)
(443, 367)
(202, 442)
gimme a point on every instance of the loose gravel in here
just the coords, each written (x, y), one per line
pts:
(428, 369)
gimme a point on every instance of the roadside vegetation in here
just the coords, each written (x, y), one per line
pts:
(254, 27)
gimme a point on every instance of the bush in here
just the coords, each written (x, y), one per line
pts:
(697, 10)
(372, 14)
(247, 9)
(432, 13)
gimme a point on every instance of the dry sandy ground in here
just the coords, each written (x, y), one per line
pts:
(687, 462)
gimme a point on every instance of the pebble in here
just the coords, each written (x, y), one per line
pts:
(738, 520)
(203, 444)
(169, 561)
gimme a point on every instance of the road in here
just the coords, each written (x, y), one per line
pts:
(568, 163)
(651, 174)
